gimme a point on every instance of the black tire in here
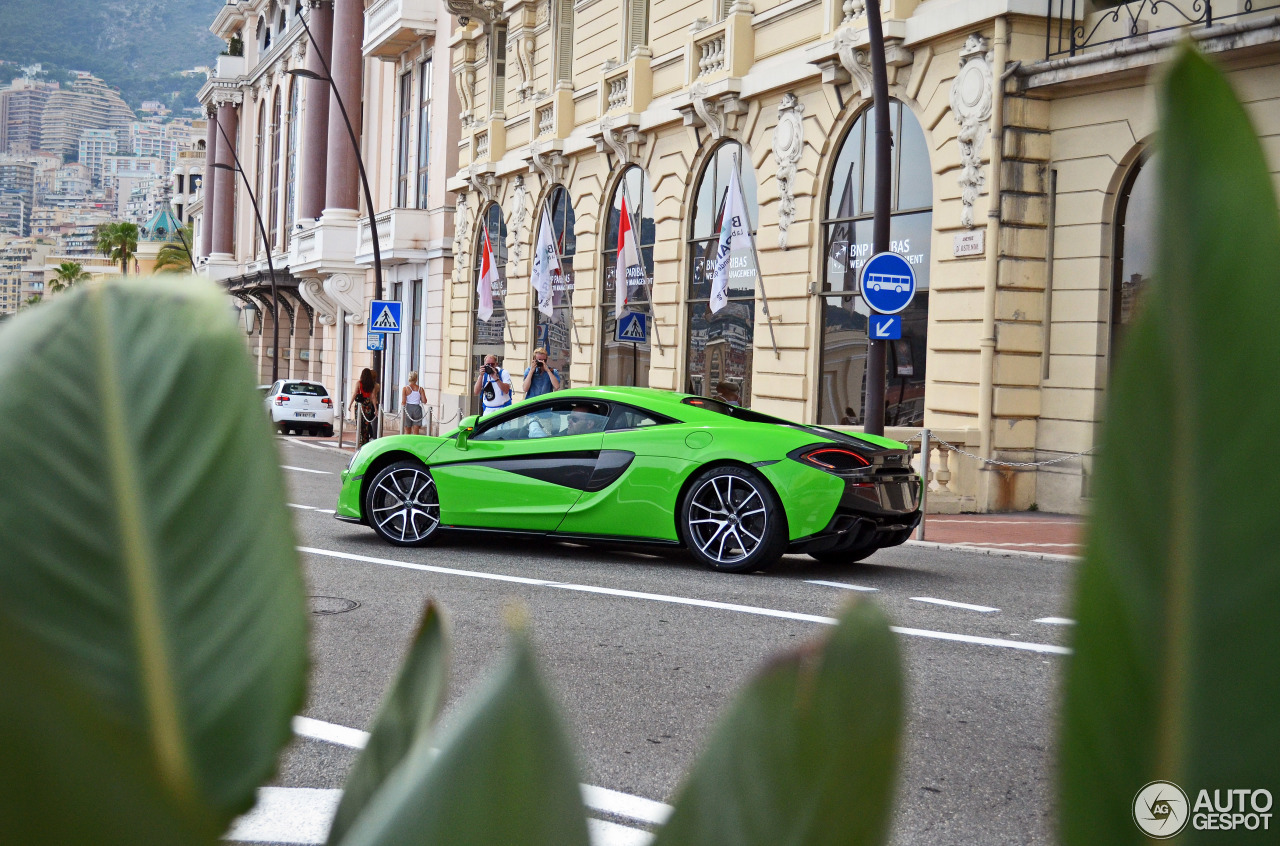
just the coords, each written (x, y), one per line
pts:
(844, 556)
(731, 521)
(326, 431)
(401, 504)
(282, 429)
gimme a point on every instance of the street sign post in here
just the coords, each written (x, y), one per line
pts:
(884, 327)
(384, 316)
(633, 328)
(376, 342)
(887, 282)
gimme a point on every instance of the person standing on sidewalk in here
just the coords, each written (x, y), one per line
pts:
(493, 386)
(539, 377)
(364, 403)
(411, 402)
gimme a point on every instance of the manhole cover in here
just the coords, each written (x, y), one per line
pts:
(332, 605)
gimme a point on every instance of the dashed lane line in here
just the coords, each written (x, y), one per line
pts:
(1056, 621)
(684, 600)
(306, 470)
(984, 609)
(842, 585)
(301, 507)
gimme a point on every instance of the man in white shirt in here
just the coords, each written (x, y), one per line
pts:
(493, 386)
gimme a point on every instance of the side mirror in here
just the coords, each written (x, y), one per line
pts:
(465, 428)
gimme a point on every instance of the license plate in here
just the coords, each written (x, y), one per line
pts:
(304, 414)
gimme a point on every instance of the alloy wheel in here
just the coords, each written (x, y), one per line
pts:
(404, 506)
(727, 518)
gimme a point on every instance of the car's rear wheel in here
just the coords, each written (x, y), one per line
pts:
(402, 505)
(731, 521)
(326, 431)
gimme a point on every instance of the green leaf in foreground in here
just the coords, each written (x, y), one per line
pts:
(808, 752)
(405, 716)
(68, 775)
(504, 774)
(1173, 676)
(149, 551)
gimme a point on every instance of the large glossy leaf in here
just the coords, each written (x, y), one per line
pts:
(808, 752)
(504, 774)
(405, 716)
(1173, 676)
(147, 545)
(68, 773)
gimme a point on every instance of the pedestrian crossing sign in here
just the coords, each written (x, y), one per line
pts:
(384, 316)
(633, 328)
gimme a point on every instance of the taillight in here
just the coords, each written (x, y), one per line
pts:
(281, 400)
(327, 401)
(832, 459)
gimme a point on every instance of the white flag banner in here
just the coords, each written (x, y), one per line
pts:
(488, 278)
(735, 237)
(546, 265)
(629, 270)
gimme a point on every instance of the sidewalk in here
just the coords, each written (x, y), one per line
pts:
(1027, 531)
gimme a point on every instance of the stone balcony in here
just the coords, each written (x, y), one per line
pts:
(325, 246)
(402, 237)
(392, 26)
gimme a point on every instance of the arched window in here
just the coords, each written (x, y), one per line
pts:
(555, 333)
(259, 166)
(847, 236)
(291, 170)
(1135, 241)
(264, 35)
(274, 206)
(720, 343)
(489, 334)
(624, 362)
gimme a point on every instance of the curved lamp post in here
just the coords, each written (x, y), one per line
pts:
(364, 176)
(271, 268)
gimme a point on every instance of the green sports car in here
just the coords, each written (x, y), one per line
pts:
(737, 488)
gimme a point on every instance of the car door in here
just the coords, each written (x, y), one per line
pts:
(522, 470)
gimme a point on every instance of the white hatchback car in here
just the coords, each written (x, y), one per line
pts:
(300, 405)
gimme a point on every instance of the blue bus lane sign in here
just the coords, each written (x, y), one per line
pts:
(888, 283)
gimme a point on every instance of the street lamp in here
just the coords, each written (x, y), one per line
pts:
(271, 268)
(364, 176)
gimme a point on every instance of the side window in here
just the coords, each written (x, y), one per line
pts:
(624, 417)
(549, 421)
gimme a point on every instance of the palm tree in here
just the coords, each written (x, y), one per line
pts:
(68, 273)
(34, 299)
(119, 242)
(175, 256)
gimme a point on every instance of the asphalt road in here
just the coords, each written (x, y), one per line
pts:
(642, 678)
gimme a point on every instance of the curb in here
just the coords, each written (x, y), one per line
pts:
(995, 551)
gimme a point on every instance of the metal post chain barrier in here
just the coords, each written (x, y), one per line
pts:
(925, 453)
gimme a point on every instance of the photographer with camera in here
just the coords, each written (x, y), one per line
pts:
(493, 386)
(539, 377)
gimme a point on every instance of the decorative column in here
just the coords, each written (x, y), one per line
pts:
(315, 129)
(342, 188)
(209, 183)
(224, 213)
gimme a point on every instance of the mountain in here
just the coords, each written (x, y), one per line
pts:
(138, 46)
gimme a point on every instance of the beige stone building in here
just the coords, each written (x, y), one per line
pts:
(1009, 341)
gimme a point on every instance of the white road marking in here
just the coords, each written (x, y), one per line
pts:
(841, 585)
(309, 508)
(305, 470)
(1056, 621)
(605, 833)
(330, 732)
(304, 815)
(297, 442)
(288, 815)
(597, 798)
(681, 600)
(985, 609)
(964, 522)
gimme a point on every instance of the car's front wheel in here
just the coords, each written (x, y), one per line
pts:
(401, 504)
(731, 521)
